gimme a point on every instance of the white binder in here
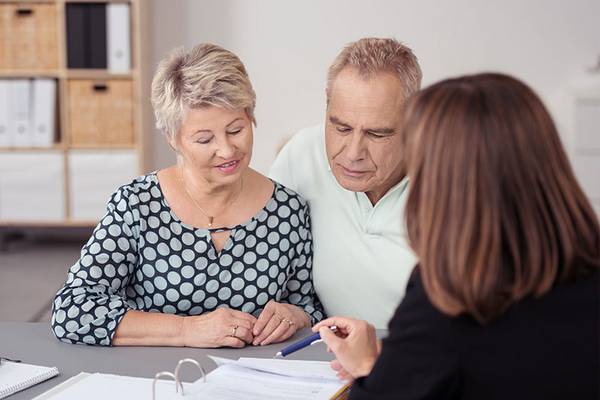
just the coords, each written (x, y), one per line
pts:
(19, 112)
(5, 139)
(118, 39)
(232, 380)
(44, 112)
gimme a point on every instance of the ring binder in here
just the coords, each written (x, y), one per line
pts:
(175, 376)
(254, 378)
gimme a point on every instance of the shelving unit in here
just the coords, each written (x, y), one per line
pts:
(585, 155)
(91, 166)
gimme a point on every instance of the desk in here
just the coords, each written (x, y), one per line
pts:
(34, 343)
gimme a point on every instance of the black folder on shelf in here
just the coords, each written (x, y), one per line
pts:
(96, 33)
(86, 35)
(76, 37)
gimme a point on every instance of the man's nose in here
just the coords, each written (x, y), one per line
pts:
(355, 150)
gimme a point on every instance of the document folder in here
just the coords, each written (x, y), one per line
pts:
(232, 380)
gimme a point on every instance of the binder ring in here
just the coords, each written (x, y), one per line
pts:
(169, 375)
(187, 361)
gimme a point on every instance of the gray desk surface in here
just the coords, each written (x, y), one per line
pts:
(34, 343)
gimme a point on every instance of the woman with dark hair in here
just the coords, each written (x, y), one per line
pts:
(504, 303)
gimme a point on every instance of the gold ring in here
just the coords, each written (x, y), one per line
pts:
(289, 322)
(233, 330)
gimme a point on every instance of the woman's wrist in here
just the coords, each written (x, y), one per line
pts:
(184, 329)
(307, 320)
(304, 318)
(366, 366)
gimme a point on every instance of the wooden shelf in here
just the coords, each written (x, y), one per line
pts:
(29, 74)
(56, 147)
(28, 1)
(96, 74)
(95, 1)
(100, 147)
(91, 158)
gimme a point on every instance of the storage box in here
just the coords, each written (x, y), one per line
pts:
(94, 176)
(32, 186)
(100, 112)
(28, 36)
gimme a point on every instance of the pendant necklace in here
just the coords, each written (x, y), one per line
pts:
(210, 218)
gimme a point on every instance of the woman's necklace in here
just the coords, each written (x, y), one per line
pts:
(210, 218)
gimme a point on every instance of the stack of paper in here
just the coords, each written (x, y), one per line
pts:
(246, 378)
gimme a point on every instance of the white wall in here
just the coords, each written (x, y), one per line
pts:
(287, 46)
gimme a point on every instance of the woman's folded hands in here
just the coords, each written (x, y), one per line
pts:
(225, 327)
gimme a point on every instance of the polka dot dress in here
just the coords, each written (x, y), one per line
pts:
(142, 257)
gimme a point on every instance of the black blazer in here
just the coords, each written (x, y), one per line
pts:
(546, 348)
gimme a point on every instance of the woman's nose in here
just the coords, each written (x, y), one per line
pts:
(225, 149)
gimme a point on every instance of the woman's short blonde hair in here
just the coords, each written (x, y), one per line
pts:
(371, 56)
(207, 75)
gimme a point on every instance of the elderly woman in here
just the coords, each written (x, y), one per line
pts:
(207, 252)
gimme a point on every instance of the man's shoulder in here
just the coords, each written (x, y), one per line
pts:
(308, 140)
(301, 159)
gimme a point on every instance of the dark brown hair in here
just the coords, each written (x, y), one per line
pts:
(494, 211)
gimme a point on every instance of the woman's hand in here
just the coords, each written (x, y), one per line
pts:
(354, 345)
(277, 322)
(341, 371)
(222, 327)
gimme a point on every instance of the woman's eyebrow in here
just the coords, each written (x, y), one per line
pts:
(238, 118)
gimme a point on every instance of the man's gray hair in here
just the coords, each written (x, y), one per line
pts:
(371, 56)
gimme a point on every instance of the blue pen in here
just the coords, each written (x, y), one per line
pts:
(299, 345)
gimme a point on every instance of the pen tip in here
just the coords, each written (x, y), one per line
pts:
(278, 354)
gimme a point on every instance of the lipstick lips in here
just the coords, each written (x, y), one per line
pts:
(228, 167)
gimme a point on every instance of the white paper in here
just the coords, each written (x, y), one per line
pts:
(232, 382)
(318, 370)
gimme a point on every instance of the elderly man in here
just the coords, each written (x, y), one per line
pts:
(351, 171)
